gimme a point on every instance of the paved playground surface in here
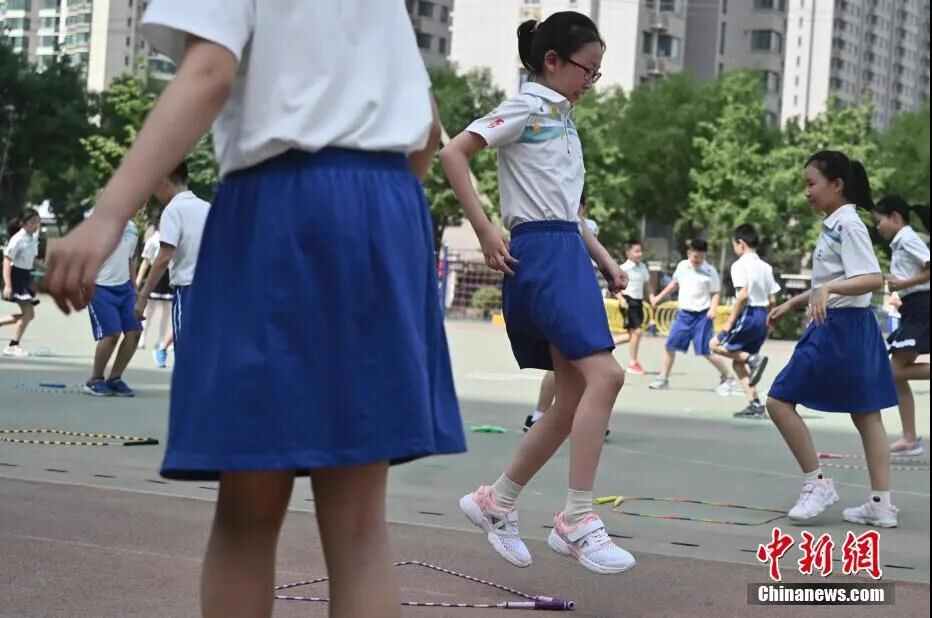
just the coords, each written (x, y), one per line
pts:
(94, 531)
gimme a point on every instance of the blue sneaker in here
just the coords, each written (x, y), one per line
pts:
(120, 388)
(98, 388)
(161, 357)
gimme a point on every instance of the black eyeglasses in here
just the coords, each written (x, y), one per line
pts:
(592, 76)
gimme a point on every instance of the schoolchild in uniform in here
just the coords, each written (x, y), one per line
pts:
(553, 308)
(746, 330)
(699, 292)
(639, 287)
(112, 316)
(840, 363)
(909, 278)
(322, 123)
(19, 257)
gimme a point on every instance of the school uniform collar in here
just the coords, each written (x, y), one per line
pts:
(539, 90)
(832, 220)
(900, 236)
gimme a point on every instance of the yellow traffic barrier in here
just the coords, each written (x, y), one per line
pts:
(661, 316)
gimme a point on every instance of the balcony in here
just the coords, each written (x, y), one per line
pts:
(658, 66)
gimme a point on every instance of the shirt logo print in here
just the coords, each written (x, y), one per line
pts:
(496, 122)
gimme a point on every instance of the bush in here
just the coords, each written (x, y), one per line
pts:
(487, 299)
(791, 327)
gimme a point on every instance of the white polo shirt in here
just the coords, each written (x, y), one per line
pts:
(844, 250)
(150, 250)
(751, 272)
(22, 249)
(311, 74)
(540, 159)
(910, 257)
(181, 226)
(638, 276)
(696, 285)
(115, 271)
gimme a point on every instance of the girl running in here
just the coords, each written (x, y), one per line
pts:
(19, 258)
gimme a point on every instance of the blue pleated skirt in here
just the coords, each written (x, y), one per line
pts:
(313, 333)
(840, 366)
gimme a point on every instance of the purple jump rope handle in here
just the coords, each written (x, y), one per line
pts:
(558, 605)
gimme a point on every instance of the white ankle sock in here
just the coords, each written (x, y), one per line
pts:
(506, 492)
(815, 475)
(536, 416)
(881, 497)
(578, 505)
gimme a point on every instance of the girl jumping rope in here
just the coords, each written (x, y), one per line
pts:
(553, 309)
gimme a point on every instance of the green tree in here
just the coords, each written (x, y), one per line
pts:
(790, 226)
(43, 117)
(732, 154)
(461, 99)
(905, 148)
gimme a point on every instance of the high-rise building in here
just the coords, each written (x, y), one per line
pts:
(645, 39)
(431, 22)
(856, 50)
(725, 35)
(32, 28)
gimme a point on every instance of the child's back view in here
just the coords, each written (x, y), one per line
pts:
(318, 225)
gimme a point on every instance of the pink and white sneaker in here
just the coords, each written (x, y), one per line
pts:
(590, 544)
(635, 368)
(499, 524)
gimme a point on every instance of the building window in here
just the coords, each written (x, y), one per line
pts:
(129, 42)
(423, 40)
(19, 5)
(442, 45)
(668, 46)
(770, 5)
(721, 42)
(48, 41)
(668, 6)
(49, 4)
(724, 7)
(425, 9)
(721, 68)
(770, 80)
(647, 46)
(444, 14)
(766, 40)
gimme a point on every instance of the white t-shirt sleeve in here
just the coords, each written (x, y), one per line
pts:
(739, 275)
(504, 125)
(715, 282)
(857, 251)
(151, 249)
(12, 247)
(679, 272)
(170, 227)
(917, 250)
(772, 286)
(228, 23)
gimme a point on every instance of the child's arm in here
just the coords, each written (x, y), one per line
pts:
(455, 158)
(159, 266)
(420, 161)
(713, 307)
(779, 311)
(741, 299)
(182, 115)
(141, 275)
(7, 277)
(900, 284)
(671, 287)
(616, 278)
(855, 286)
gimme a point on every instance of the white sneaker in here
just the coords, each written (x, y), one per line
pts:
(872, 514)
(590, 544)
(15, 351)
(726, 387)
(660, 384)
(499, 524)
(815, 497)
(904, 448)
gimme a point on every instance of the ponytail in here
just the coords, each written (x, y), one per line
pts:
(835, 165)
(564, 32)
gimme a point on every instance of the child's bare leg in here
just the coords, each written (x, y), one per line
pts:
(548, 390)
(350, 506)
(547, 434)
(876, 449)
(719, 364)
(239, 568)
(634, 343)
(741, 371)
(904, 367)
(604, 378)
(29, 313)
(795, 433)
